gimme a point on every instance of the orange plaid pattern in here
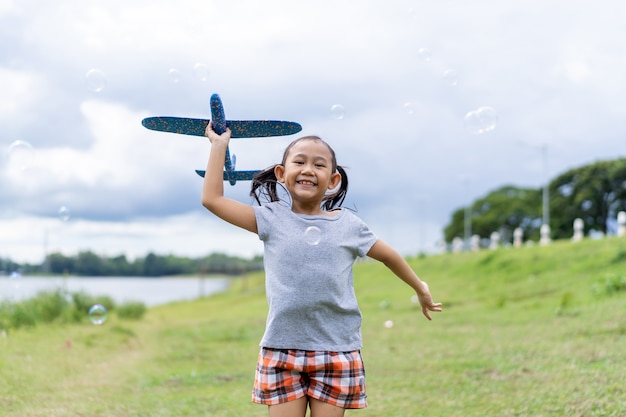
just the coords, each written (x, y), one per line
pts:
(337, 378)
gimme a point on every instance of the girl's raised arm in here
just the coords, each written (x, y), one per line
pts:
(398, 265)
(213, 199)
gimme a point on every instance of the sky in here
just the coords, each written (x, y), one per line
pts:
(395, 87)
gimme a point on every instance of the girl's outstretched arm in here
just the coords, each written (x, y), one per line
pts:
(213, 199)
(398, 265)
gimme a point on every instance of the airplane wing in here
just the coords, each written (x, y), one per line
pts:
(239, 128)
(234, 175)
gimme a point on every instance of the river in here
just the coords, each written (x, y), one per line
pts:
(150, 291)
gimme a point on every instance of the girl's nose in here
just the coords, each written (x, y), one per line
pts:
(307, 168)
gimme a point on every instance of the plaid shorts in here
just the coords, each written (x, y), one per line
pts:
(337, 378)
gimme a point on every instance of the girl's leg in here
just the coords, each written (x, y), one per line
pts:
(296, 408)
(322, 409)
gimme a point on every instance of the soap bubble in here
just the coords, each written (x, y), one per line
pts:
(409, 107)
(424, 53)
(97, 314)
(389, 324)
(312, 235)
(20, 155)
(96, 80)
(450, 77)
(174, 75)
(64, 213)
(481, 120)
(338, 111)
(201, 71)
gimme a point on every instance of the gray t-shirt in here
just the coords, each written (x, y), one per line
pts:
(308, 278)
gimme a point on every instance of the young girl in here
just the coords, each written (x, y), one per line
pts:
(310, 352)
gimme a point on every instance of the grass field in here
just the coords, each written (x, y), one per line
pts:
(535, 331)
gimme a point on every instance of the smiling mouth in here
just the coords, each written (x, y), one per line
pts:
(307, 183)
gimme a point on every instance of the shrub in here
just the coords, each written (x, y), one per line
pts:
(60, 306)
(133, 310)
(48, 306)
(20, 315)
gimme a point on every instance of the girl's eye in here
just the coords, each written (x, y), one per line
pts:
(320, 165)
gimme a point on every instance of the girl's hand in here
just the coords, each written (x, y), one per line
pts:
(214, 137)
(427, 303)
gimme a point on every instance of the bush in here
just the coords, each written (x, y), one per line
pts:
(49, 306)
(133, 310)
(20, 315)
(61, 306)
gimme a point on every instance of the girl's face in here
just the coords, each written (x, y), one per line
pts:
(307, 174)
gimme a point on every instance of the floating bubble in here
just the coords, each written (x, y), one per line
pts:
(338, 111)
(20, 154)
(415, 299)
(16, 280)
(312, 235)
(424, 54)
(450, 77)
(96, 80)
(97, 314)
(201, 71)
(385, 304)
(481, 120)
(409, 107)
(174, 75)
(64, 213)
(389, 324)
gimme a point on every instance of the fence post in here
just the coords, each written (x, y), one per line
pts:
(621, 224)
(545, 234)
(457, 245)
(495, 240)
(475, 242)
(518, 237)
(579, 227)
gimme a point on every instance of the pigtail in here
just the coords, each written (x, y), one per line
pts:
(264, 185)
(334, 200)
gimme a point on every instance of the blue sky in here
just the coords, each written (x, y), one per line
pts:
(77, 78)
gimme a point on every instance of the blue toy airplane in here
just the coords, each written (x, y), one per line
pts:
(239, 129)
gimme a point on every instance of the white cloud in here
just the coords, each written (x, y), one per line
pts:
(7, 7)
(552, 71)
(19, 91)
(196, 234)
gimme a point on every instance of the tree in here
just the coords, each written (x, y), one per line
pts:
(58, 263)
(154, 265)
(501, 210)
(88, 263)
(594, 193)
(119, 265)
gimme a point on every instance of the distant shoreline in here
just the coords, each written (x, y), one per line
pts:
(148, 290)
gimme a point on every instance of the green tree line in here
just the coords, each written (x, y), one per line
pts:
(594, 193)
(88, 263)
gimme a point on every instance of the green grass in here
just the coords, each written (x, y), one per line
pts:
(538, 331)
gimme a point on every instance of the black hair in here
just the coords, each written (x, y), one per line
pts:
(264, 182)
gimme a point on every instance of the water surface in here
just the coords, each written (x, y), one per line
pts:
(150, 291)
